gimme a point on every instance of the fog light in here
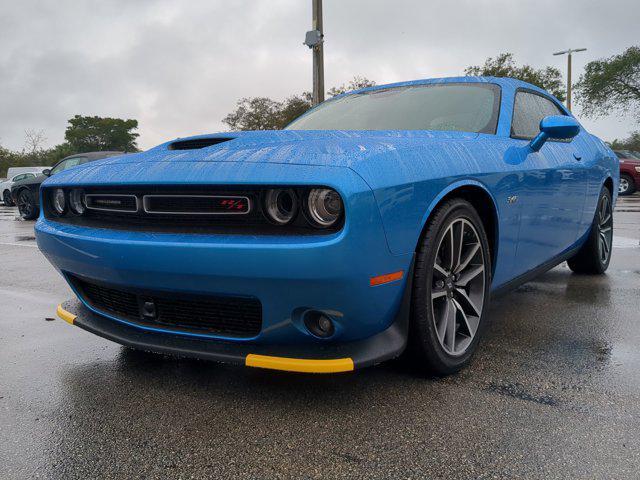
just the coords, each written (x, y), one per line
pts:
(59, 201)
(319, 324)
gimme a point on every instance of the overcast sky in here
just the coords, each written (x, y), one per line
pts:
(179, 67)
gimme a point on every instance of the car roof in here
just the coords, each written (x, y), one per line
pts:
(95, 155)
(502, 81)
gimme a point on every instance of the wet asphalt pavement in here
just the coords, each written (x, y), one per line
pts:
(552, 393)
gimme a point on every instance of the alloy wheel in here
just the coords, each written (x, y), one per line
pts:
(624, 186)
(24, 205)
(458, 287)
(605, 229)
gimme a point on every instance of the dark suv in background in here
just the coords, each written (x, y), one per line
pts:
(25, 193)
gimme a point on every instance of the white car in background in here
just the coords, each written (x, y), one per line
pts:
(13, 175)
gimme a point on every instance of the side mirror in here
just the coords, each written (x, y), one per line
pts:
(46, 171)
(559, 127)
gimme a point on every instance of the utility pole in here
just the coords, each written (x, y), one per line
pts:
(568, 53)
(314, 40)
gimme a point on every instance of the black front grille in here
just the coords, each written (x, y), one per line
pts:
(184, 209)
(216, 315)
(112, 203)
(197, 204)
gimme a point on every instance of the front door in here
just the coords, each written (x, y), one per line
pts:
(552, 186)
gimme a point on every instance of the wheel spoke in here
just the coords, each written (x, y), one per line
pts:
(468, 257)
(441, 327)
(451, 327)
(468, 275)
(458, 246)
(438, 293)
(452, 249)
(466, 303)
(605, 244)
(439, 270)
(472, 326)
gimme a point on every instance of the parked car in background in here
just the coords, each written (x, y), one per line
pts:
(629, 171)
(25, 192)
(15, 174)
(382, 218)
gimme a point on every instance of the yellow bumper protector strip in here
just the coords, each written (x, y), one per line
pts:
(299, 364)
(66, 316)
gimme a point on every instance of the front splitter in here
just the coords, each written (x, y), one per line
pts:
(322, 357)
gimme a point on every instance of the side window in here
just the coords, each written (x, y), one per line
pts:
(59, 167)
(17, 178)
(68, 163)
(529, 109)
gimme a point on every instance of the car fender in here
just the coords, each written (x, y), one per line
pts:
(466, 182)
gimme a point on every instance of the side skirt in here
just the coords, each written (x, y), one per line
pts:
(531, 274)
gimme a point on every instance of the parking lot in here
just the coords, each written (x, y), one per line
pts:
(553, 392)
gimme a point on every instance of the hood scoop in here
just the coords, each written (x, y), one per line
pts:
(197, 143)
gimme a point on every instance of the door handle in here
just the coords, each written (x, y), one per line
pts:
(577, 156)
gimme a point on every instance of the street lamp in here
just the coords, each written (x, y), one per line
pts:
(568, 53)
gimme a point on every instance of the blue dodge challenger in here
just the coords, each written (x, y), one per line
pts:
(382, 220)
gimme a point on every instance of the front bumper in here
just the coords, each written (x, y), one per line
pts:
(322, 358)
(288, 274)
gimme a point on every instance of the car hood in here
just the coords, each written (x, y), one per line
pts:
(351, 149)
(326, 148)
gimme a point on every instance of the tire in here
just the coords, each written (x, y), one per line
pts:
(6, 198)
(27, 205)
(594, 256)
(627, 185)
(449, 305)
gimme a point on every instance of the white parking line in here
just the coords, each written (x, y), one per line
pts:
(16, 244)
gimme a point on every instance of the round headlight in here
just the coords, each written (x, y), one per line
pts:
(325, 206)
(281, 205)
(76, 201)
(59, 201)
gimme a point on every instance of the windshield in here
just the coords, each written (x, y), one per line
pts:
(464, 107)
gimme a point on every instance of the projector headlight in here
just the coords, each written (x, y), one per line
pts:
(324, 206)
(59, 201)
(281, 205)
(76, 201)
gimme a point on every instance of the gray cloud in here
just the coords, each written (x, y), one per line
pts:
(179, 67)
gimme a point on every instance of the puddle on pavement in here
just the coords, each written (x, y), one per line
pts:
(520, 392)
(25, 238)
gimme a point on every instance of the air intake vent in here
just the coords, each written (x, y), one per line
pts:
(197, 143)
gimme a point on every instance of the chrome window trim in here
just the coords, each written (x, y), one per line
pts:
(87, 195)
(153, 212)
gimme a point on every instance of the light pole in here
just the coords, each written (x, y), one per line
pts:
(568, 53)
(314, 39)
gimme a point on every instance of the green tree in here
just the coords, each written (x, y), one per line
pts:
(356, 83)
(611, 84)
(632, 142)
(87, 134)
(263, 113)
(504, 65)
